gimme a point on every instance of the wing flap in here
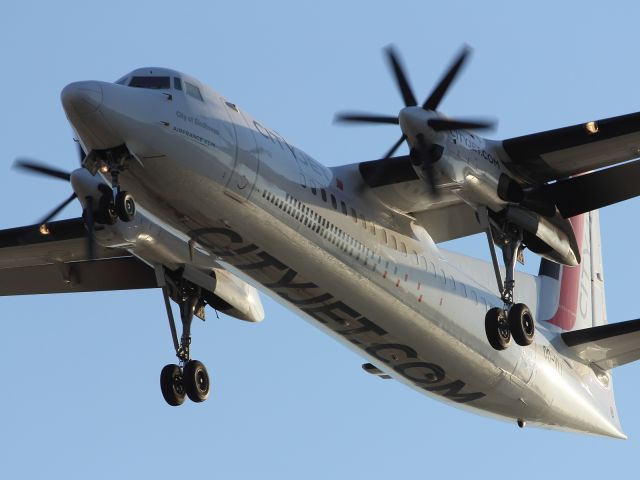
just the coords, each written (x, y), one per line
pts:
(607, 346)
(124, 273)
(594, 190)
(563, 152)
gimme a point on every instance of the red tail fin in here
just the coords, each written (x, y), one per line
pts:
(581, 296)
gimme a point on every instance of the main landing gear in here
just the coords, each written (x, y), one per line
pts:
(514, 320)
(189, 378)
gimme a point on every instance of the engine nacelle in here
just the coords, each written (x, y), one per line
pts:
(227, 293)
(549, 237)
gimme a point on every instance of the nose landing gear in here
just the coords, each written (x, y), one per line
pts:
(514, 320)
(114, 203)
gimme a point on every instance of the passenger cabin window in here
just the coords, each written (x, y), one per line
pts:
(193, 91)
(334, 202)
(323, 193)
(154, 83)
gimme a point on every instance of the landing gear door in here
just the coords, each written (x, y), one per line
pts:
(245, 171)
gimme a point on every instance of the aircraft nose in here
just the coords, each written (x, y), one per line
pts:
(81, 98)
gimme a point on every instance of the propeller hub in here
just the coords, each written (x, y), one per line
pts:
(414, 121)
(85, 185)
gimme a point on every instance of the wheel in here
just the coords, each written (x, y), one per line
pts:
(171, 385)
(106, 213)
(125, 206)
(196, 381)
(521, 324)
(497, 328)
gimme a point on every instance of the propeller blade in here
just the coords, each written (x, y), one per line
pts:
(443, 124)
(427, 164)
(395, 147)
(439, 92)
(401, 78)
(57, 210)
(42, 169)
(428, 171)
(378, 173)
(89, 222)
(366, 118)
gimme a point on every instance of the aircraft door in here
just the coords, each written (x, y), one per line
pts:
(245, 171)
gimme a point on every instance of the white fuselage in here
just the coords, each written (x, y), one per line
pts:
(370, 277)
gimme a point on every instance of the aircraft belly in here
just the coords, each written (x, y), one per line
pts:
(351, 298)
(400, 318)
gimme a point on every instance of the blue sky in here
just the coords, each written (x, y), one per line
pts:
(80, 396)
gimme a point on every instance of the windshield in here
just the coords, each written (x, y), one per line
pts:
(156, 83)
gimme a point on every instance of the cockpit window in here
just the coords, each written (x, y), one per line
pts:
(193, 91)
(177, 83)
(157, 83)
(122, 81)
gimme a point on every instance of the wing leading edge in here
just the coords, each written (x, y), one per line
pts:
(33, 263)
(555, 154)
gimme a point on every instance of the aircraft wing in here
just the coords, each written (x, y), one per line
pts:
(569, 151)
(449, 222)
(33, 263)
(394, 182)
(607, 346)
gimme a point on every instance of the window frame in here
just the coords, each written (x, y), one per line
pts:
(193, 91)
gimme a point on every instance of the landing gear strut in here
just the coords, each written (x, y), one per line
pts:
(189, 378)
(114, 203)
(514, 320)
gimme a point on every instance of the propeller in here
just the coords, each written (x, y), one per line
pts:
(38, 168)
(422, 152)
(42, 169)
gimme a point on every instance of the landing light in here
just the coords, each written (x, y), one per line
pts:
(44, 230)
(591, 127)
(472, 179)
(104, 169)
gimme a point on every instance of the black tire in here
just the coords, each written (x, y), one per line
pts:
(106, 213)
(497, 328)
(196, 381)
(172, 386)
(521, 324)
(125, 206)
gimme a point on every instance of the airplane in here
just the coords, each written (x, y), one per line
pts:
(183, 191)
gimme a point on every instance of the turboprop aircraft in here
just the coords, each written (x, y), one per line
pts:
(183, 191)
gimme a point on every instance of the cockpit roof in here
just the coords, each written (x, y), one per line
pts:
(157, 78)
(154, 72)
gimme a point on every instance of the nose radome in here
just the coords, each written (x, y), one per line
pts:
(81, 98)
